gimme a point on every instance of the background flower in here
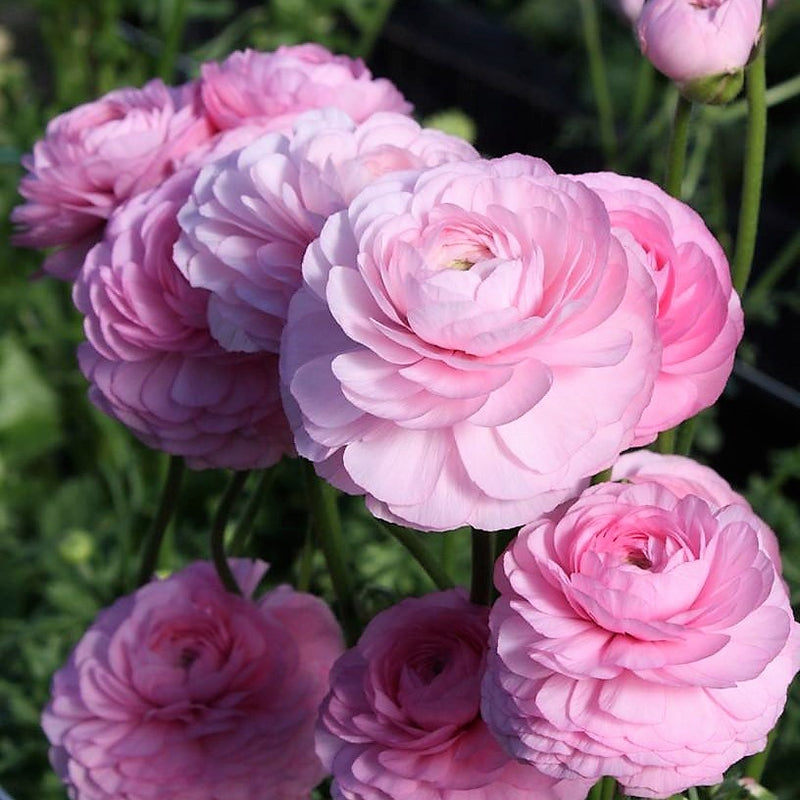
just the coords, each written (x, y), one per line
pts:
(186, 691)
(402, 717)
(641, 635)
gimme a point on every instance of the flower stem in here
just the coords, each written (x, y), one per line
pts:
(666, 441)
(328, 531)
(676, 155)
(693, 793)
(166, 509)
(609, 791)
(172, 25)
(482, 585)
(413, 542)
(754, 766)
(597, 72)
(753, 174)
(685, 438)
(217, 538)
(245, 524)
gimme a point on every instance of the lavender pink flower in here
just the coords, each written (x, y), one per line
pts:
(700, 320)
(97, 155)
(470, 343)
(641, 634)
(251, 215)
(150, 358)
(273, 88)
(402, 717)
(186, 691)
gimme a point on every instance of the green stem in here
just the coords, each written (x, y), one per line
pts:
(482, 585)
(306, 562)
(172, 34)
(609, 791)
(245, 525)
(642, 93)
(599, 78)
(166, 509)
(666, 441)
(760, 291)
(676, 155)
(693, 793)
(372, 28)
(754, 766)
(683, 445)
(596, 792)
(753, 174)
(328, 531)
(413, 542)
(775, 95)
(217, 538)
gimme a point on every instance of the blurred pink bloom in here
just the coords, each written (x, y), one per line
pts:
(150, 358)
(470, 344)
(251, 215)
(402, 718)
(691, 39)
(186, 691)
(642, 635)
(699, 315)
(96, 156)
(273, 88)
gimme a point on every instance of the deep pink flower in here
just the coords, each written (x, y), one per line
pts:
(150, 358)
(699, 314)
(251, 215)
(273, 88)
(402, 718)
(642, 635)
(470, 343)
(186, 691)
(97, 155)
(691, 39)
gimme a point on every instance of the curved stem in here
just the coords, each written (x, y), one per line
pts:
(753, 175)
(666, 441)
(217, 538)
(482, 585)
(172, 25)
(676, 155)
(245, 524)
(683, 446)
(422, 554)
(609, 791)
(166, 509)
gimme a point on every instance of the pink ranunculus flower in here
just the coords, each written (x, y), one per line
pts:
(402, 717)
(471, 342)
(252, 214)
(186, 691)
(639, 634)
(273, 88)
(700, 319)
(692, 39)
(97, 155)
(150, 358)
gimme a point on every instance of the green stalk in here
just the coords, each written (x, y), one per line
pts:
(775, 95)
(693, 793)
(306, 562)
(666, 441)
(217, 538)
(422, 554)
(609, 791)
(166, 509)
(372, 27)
(245, 524)
(596, 792)
(753, 174)
(758, 295)
(642, 93)
(676, 154)
(482, 584)
(683, 446)
(599, 78)
(172, 34)
(328, 531)
(754, 766)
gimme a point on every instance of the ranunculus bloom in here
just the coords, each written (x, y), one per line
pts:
(642, 635)
(97, 155)
(470, 343)
(402, 718)
(273, 88)
(150, 357)
(252, 214)
(183, 690)
(692, 39)
(699, 314)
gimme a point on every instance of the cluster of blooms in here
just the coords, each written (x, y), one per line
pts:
(276, 257)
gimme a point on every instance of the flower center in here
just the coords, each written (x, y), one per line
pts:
(637, 557)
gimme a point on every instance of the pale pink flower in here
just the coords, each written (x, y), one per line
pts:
(273, 88)
(97, 155)
(470, 344)
(691, 39)
(186, 691)
(251, 215)
(150, 358)
(700, 319)
(640, 635)
(402, 717)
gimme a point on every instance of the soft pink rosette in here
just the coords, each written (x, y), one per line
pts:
(642, 635)
(97, 155)
(402, 717)
(470, 344)
(273, 88)
(186, 691)
(692, 39)
(700, 320)
(251, 215)
(150, 358)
